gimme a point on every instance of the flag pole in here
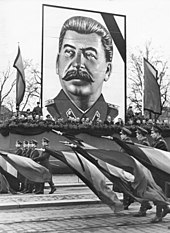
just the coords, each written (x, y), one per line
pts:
(143, 111)
(17, 105)
(17, 109)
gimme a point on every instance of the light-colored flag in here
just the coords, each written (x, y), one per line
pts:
(27, 167)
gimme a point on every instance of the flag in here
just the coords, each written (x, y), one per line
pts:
(117, 164)
(20, 80)
(120, 168)
(90, 175)
(152, 96)
(156, 160)
(10, 173)
(27, 167)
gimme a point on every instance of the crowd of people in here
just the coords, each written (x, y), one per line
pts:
(159, 143)
(30, 149)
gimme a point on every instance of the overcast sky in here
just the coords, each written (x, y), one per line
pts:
(21, 21)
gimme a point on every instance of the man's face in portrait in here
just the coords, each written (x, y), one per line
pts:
(82, 66)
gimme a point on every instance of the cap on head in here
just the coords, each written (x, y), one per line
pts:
(45, 140)
(34, 142)
(26, 142)
(141, 130)
(19, 142)
(126, 131)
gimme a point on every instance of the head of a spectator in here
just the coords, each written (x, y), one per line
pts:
(141, 133)
(37, 117)
(34, 143)
(18, 144)
(119, 122)
(48, 117)
(25, 144)
(156, 132)
(30, 144)
(45, 142)
(125, 133)
(109, 119)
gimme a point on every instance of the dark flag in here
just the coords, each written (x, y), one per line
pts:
(90, 175)
(115, 164)
(120, 168)
(20, 80)
(156, 160)
(152, 96)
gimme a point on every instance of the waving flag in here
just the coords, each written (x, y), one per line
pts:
(120, 168)
(27, 167)
(142, 182)
(10, 173)
(90, 175)
(152, 96)
(20, 81)
(157, 161)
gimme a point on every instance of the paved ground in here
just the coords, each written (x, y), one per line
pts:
(72, 208)
(95, 218)
(70, 189)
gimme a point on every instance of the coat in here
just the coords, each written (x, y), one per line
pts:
(43, 159)
(160, 143)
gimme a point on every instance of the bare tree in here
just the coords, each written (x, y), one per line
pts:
(7, 82)
(135, 76)
(33, 86)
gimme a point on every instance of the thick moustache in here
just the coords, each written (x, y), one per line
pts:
(78, 74)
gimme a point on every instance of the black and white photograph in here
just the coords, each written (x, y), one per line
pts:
(84, 116)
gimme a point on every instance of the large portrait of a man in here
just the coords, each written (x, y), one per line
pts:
(81, 51)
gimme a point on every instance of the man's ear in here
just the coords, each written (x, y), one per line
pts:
(57, 63)
(108, 71)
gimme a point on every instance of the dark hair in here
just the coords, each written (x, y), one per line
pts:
(86, 25)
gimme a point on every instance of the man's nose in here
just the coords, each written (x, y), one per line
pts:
(78, 59)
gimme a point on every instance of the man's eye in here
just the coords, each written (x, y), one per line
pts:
(90, 55)
(69, 53)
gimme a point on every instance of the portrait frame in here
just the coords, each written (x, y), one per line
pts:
(53, 17)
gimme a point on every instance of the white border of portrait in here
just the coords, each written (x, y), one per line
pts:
(53, 17)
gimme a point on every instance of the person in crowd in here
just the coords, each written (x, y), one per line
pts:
(37, 111)
(84, 63)
(119, 122)
(159, 143)
(129, 114)
(19, 151)
(141, 136)
(49, 118)
(25, 151)
(142, 139)
(108, 120)
(28, 114)
(127, 199)
(25, 148)
(125, 136)
(30, 147)
(158, 140)
(43, 159)
(29, 185)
